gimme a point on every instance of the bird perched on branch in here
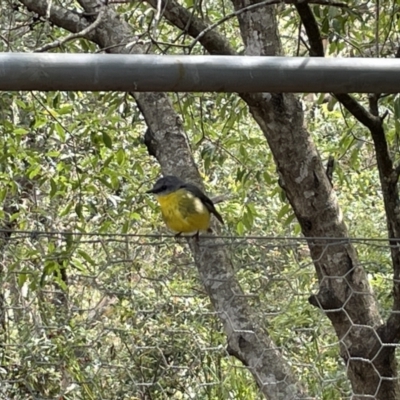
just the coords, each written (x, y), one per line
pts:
(184, 207)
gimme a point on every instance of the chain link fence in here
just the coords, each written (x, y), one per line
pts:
(89, 316)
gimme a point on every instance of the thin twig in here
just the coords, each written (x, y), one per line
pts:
(72, 36)
(261, 4)
(157, 18)
(49, 9)
(221, 198)
(229, 16)
(377, 6)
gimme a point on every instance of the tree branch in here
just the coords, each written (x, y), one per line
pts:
(357, 110)
(388, 176)
(323, 3)
(195, 27)
(221, 198)
(81, 34)
(62, 17)
(312, 30)
(300, 5)
(230, 16)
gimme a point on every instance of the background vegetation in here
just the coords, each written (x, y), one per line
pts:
(113, 309)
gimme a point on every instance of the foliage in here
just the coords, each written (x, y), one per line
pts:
(75, 162)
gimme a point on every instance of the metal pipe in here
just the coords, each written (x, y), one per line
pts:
(153, 73)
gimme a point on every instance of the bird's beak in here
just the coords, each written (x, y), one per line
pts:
(150, 191)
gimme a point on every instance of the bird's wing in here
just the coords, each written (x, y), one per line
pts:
(205, 200)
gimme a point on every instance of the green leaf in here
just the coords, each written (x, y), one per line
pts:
(78, 210)
(66, 209)
(3, 194)
(39, 122)
(289, 219)
(49, 267)
(60, 282)
(107, 140)
(268, 178)
(53, 153)
(325, 26)
(60, 131)
(125, 226)
(397, 126)
(207, 163)
(240, 228)
(108, 160)
(105, 182)
(284, 210)
(20, 103)
(120, 156)
(78, 266)
(397, 107)
(86, 257)
(297, 229)
(138, 167)
(69, 241)
(22, 278)
(243, 151)
(336, 25)
(20, 131)
(247, 220)
(53, 188)
(239, 174)
(34, 172)
(65, 109)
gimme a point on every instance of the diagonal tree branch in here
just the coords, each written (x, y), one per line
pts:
(206, 34)
(317, 50)
(312, 29)
(232, 15)
(357, 110)
(195, 27)
(72, 36)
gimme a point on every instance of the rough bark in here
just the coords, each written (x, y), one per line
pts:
(165, 140)
(345, 294)
(390, 331)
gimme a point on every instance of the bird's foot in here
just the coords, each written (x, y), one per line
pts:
(196, 236)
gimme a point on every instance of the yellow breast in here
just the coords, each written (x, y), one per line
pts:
(184, 212)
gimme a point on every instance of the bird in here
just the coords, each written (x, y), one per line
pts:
(184, 207)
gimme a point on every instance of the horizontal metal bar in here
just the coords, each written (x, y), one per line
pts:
(148, 73)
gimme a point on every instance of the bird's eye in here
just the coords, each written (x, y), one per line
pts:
(163, 187)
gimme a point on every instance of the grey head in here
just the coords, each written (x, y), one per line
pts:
(166, 185)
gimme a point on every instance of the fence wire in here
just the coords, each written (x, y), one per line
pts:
(90, 316)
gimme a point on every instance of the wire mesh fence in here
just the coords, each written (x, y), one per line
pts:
(126, 317)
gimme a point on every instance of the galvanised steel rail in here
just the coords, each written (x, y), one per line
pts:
(153, 73)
